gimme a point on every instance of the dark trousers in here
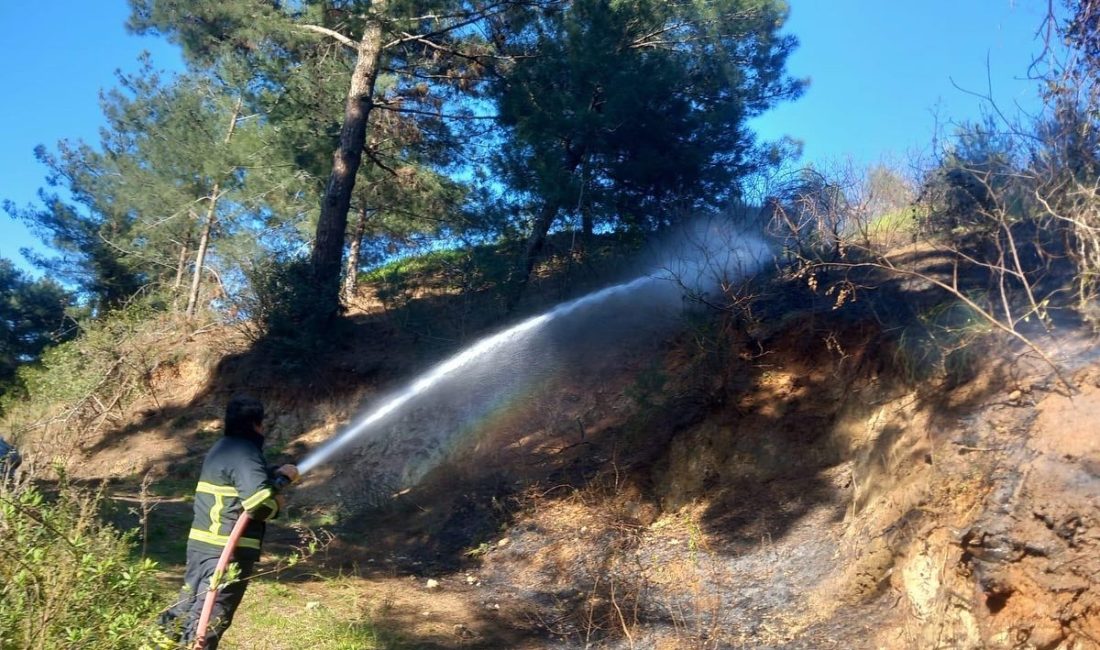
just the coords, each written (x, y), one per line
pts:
(181, 620)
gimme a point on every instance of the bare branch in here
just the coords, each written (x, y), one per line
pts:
(332, 33)
(963, 298)
(373, 155)
(440, 115)
(483, 13)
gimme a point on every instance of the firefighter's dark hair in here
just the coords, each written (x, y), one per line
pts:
(242, 414)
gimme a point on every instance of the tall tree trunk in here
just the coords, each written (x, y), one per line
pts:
(351, 279)
(328, 246)
(535, 244)
(181, 267)
(584, 206)
(208, 225)
(587, 226)
(539, 231)
(200, 257)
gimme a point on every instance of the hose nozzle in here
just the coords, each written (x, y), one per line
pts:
(284, 476)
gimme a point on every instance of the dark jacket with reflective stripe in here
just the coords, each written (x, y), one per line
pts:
(234, 477)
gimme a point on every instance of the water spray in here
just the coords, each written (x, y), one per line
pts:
(449, 368)
(701, 262)
(329, 449)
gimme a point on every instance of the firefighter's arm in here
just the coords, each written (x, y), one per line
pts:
(257, 490)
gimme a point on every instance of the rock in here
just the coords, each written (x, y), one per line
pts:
(1015, 396)
(432, 583)
(1046, 635)
(502, 543)
(313, 604)
(1062, 583)
(463, 632)
(472, 580)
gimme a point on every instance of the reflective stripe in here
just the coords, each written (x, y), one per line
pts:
(254, 501)
(222, 540)
(216, 514)
(222, 490)
(219, 493)
(272, 505)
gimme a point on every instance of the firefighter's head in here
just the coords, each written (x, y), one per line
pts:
(244, 417)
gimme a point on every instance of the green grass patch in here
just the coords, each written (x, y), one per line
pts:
(473, 269)
(893, 228)
(419, 265)
(325, 615)
(488, 268)
(904, 221)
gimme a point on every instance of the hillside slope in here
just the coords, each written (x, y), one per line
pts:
(783, 479)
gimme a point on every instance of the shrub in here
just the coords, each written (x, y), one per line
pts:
(82, 385)
(286, 306)
(67, 580)
(895, 228)
(72, 369)
(945, 342)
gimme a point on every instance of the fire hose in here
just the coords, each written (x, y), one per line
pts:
(279, 483)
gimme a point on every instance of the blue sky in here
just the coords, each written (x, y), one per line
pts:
(881, 72)
(55, 57)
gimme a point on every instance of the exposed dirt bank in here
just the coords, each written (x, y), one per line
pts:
(794, 492)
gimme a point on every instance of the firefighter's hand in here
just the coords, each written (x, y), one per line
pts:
(289, 471)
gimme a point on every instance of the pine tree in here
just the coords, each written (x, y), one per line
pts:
(168, 177)
(84, 231)
(427, 54)
(632, 113)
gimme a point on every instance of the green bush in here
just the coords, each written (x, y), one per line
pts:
(76, 387)
(473, 269)
(68, 580)
(945, 342)
(286, 304)
(71, 370)
(894, 228)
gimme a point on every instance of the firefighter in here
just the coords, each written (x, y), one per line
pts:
(234, 478)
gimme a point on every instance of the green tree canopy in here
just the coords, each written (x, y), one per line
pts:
(33, 316)
(410, 56)
(633, 113)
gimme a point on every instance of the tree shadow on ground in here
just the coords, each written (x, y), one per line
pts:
(771, 386)
(376, 347)
(838, 357)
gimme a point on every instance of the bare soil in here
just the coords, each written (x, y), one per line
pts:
(800, 497)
